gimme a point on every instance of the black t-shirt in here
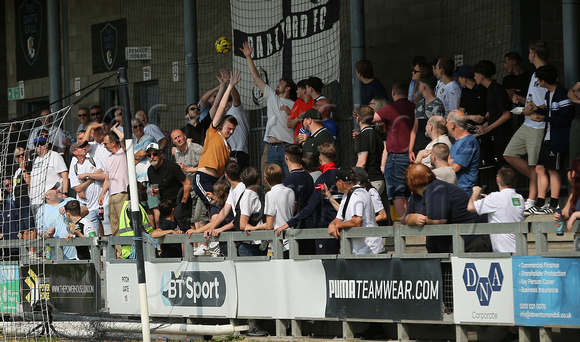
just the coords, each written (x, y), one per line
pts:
(169, 250)
(497, 102)
(442, 200)
(215, 209)
(372, 90)
(370, 141)
(474, 100)
(169, 177)
(302, 184)
(518, 82)
(197, 133)
(316, 139)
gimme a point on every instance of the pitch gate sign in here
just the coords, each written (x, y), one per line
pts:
(483, 290)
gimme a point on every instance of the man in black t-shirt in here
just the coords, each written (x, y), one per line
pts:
(302, 184)
(369, 147)
(172, 184)
(195, 128)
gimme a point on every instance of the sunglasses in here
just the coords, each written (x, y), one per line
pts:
(194, 108)
(415, 71)
(20, 155)
(81, 115)
(137, 126)
(153, 154)
(95, 113)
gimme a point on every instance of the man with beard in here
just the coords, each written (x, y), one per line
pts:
(171, 184)
(277, 133)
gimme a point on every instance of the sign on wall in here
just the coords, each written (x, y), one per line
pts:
(9, 288)
(546, 291)
(482, 290)
(384, 289)
(68, 287)
(31, 39)
(177, 288)
(109, 41)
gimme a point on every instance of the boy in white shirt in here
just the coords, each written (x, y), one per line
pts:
(248, 211)
(503, 206)
(279, 203)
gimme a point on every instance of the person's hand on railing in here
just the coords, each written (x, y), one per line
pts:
(249, 229)
(280, 229)
(421, 220)
(208, 233)
(191, 231)
(333, 230)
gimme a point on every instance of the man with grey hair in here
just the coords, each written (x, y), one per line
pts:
(464, 154)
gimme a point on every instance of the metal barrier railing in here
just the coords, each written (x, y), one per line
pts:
(542, 233)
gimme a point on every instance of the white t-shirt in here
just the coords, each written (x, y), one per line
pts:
(239, 140)
(277, 124)
(93, 191)
(502, 207)
(449, 94)
(46, 171)
(279, 203)
(376, 200)
(250, 204)
(441, 139)
(446, 174)
(88, 227)
(539, 98)
(234, 196)
(360, 204)
(154, 131)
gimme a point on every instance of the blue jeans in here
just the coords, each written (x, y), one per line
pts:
(246, 249)
(395, 168)
(276, 156)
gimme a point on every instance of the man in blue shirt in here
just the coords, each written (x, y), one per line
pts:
(464, 155)
(52, 223)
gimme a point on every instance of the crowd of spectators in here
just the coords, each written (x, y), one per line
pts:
(420, 153)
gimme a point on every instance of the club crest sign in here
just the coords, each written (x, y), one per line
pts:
(109, 42)
(31, 39)
(31, 17)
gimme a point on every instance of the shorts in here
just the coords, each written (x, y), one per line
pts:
(550, 160)
(152, 201)
(203, 183)
(528, 141)
(395, 168)
(379, 185)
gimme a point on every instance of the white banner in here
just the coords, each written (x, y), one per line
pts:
(188, 289)
(293, 39)
(483, 290)
(281, 289)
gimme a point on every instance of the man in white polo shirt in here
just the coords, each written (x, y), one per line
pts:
(356, 210)
(503, 206)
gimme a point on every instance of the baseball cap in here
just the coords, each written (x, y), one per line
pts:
(40, 141)
(153, 146)
(360, 174)
(464, 71)
(344, 173)
(77, 144)
(311, 114)
(55, 186)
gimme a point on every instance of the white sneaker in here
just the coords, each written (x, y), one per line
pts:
(200, 250)
(214, 249)
(529, 203)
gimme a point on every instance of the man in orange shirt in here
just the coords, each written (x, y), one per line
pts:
(216, 150)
